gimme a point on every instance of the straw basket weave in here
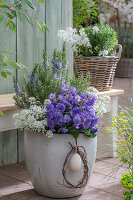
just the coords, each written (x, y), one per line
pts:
(102, 69)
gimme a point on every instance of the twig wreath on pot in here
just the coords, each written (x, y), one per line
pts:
(95, 48)
(59, 116)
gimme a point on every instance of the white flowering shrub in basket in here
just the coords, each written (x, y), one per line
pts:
(95, 49)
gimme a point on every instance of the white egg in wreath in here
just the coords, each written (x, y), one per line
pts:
(75, 162)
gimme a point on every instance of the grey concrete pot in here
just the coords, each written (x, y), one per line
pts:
(45, 158)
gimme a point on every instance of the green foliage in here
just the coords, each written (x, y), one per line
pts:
(127, 183)
(104, 39)
(6, 66)
(43, 79)
(47, 78)
(1, 113)
(85, 12)
(88, 133)
(8, 13)
(80, 83)
(124, 126)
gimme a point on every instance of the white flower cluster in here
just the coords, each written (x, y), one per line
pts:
(103, 53)
(101, 102)
(73, 38)
(33, 119)
(95, 29)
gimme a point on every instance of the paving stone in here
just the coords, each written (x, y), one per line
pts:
(96, 194)
(109, 169)
(24, 195)
(15, 184)
(10, 185)
(17, 171)
(100, 179)
(114, 188)
(112, 161)
(91, 194)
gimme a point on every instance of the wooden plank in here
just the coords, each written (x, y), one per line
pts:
(7, 42)
(9, 147)
(30, 41)
(7, 103)
(112, 92)
(1, 139)
(67, 21)
(7, 122)
(20, 145)
(53, 21)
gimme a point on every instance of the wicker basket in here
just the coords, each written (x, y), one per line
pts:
(102, 69)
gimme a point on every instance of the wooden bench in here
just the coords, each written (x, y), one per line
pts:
(11, 139)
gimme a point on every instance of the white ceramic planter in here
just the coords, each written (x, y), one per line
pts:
(45, 158)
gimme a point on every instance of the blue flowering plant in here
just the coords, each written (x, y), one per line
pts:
(53, 103)
(73, 113)
(45, 77)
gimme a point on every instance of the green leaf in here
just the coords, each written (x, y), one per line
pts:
(1, 113)
(22, 66)
(9, 15)
(88, 133)
(14, 65)
(3, 64)
(13, 13)
(18, 6)
(41, 25)
(1, 3)
(42, 1)
(30, 4)
(74, 132)
(1, 18)
(7, 52)
(30, 20)
(4, 6)
(19, 15)
(12, 26)
(5, 58)
(2, 58)
(4, 74)
(8, 72)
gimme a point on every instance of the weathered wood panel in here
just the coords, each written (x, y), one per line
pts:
(54, 23)
(1, 149)
(8, 43)
(20, 145)
(9, 147)
(67, 16)
(30, 41)
(28, 44)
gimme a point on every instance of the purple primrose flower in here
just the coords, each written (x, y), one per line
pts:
(52, 96)
(71, 110)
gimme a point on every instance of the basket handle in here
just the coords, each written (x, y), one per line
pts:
(119, 47)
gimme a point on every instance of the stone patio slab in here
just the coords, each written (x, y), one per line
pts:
(10, 185)
(17, 171)
(110, 170)
(15, 184)
(91, 194)
(99, 179)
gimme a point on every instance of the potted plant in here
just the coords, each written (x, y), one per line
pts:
(59, 117)
(95, 48)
